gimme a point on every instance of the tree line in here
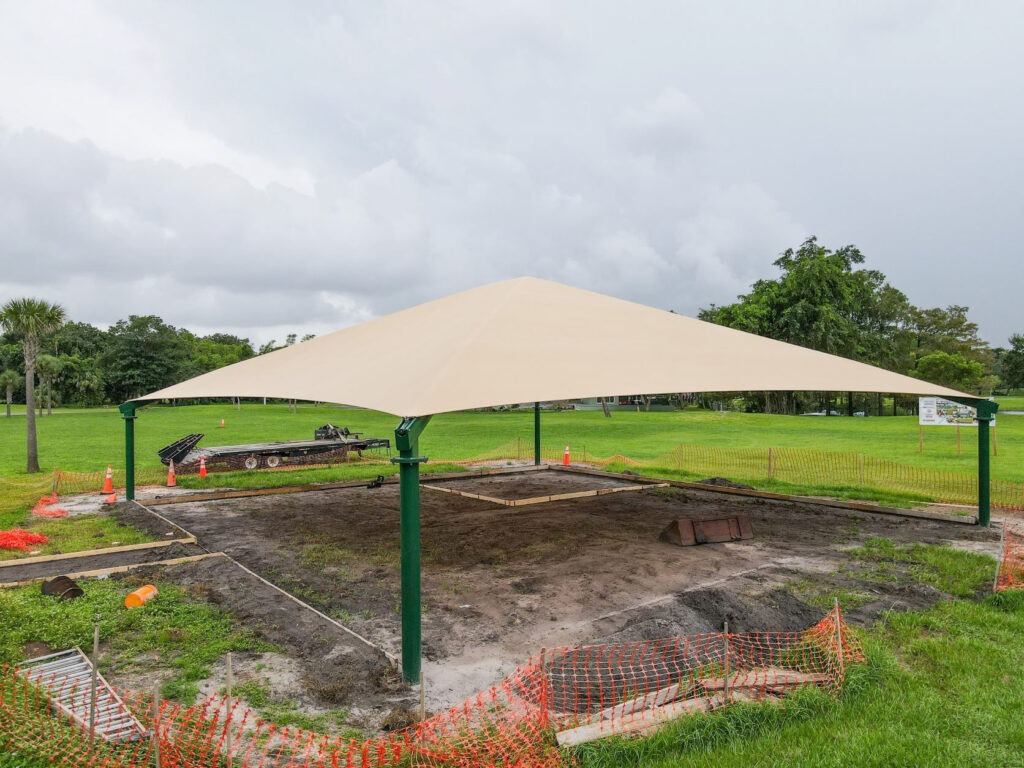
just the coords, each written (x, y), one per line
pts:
(824, 300)
(78, 364)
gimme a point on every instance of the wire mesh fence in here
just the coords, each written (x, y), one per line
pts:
(562, 697)
(792, 466)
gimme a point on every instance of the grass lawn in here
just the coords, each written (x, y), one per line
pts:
(71, 534)
(88, 441)
(187, 634)
(942, 687)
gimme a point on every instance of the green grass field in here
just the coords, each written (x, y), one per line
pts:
(87, 441)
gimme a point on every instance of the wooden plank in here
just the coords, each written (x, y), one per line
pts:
(94, 552)
(115, 569)
(469, 495)
(859, 506)
(769, 679)
(644, 721)
(311, 487)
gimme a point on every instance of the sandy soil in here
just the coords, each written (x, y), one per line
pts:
(499, 583)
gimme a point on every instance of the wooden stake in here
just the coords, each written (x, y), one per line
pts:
(227, 727)
(995, 442)
(93, 680)
(156, 725)
(423, 698)
(771, 464)
(957, 439)
(839, 640)
(725, 675)
(920, 439)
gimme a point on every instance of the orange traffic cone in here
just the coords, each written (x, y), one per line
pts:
(202, 466)
(222, 423)
(108, 483)
(111, 499)
(565, 457)
(171, 482)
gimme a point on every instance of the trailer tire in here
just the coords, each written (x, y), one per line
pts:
(251, 462)
(273, 461)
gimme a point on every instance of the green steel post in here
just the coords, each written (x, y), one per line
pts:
(986, 412)
(536, 434)
(407, 435)
(984, 489)
(128, 414)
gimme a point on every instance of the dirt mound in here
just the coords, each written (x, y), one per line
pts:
(707, 609)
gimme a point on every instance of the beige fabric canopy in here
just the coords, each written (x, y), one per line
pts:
(527, 340)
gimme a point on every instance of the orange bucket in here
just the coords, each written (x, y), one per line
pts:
(141, 595)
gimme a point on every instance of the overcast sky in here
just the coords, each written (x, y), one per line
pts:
(263, 168)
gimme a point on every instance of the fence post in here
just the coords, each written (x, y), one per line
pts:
(860, 468)
(771, 464)
(725, 679)
(93, 679)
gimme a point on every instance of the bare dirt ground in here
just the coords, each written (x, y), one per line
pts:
(500, 583)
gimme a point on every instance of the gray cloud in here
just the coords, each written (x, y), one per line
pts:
(308, 168)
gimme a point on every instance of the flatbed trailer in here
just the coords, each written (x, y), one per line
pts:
(332, 445)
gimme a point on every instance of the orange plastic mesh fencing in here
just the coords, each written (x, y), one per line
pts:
(18, 538)
(562, 696)
(1011, 562)
(46, 507)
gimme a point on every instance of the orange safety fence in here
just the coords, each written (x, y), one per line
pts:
(1011, 562)
(559, 697)
(19, 538)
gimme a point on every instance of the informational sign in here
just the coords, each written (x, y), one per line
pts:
(938, 412)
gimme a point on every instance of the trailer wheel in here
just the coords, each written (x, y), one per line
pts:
(251, 462)
(273, 461)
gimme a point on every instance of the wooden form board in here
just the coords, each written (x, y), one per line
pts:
(114, 569)
(545, 499)
(285, 489)
(858, 506)
(94, 552)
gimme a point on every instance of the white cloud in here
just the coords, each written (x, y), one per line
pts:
(310, 166)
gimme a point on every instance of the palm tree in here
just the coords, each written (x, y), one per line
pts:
(9, 380)
(49, 368)
(31, 319)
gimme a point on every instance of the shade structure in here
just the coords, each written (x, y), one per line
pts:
(527, 340)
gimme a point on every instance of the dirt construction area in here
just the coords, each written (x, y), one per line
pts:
(501, 582)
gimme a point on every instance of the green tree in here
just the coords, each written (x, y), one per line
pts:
(32, 320)
(143, 354)
(946, 330)
(1011, 363)
(80, 340)
(950, 370)
(49, 368)
(9, 380)
(823, 301)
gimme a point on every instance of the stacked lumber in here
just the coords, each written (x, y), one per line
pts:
(644, 714)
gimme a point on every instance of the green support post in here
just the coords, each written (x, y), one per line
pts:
(128, 414)
(986, 413)
(407, 435)
(536, 434)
